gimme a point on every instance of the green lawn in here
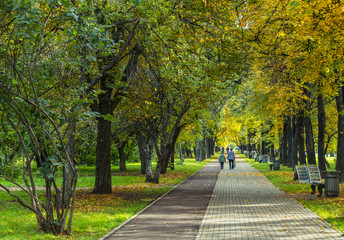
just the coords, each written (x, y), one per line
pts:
(329, 209)
(96, 215)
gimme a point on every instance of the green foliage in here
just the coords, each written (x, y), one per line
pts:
(49, 167)
(13, 171)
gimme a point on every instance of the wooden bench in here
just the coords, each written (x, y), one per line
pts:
(310, 174)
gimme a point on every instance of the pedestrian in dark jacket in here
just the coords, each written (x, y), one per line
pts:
(231, 158)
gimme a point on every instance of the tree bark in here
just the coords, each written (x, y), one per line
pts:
(103, 163)
(290, 143)
(146, 148)
(309, 141)
(142, 143)
(122, 156)
(301, 132)
(168, 147)
(199, 151)
(295, 145)
(321, 135)
(181, 157)
(163, 158)
(106, 105)
(272, 152)
(172, 161)
(188, 151)
(64, 196)
(340, 144)
(284, 150)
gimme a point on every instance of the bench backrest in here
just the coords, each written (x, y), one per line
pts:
(308, 173)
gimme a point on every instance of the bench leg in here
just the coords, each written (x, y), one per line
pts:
(313, 189)
(320, 190)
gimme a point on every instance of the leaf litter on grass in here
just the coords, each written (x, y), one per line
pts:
(86, 201)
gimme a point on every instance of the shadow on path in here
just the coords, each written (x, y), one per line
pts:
(178, 214)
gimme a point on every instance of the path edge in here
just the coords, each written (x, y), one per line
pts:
(152, 203)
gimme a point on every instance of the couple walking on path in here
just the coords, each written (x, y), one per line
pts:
(214, 204)
(230, 157)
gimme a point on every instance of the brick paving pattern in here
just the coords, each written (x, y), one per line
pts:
(245, 205)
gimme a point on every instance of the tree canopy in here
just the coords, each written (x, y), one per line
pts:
(81, 78)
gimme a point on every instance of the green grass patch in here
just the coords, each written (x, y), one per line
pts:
(329, 209)
(95, 215)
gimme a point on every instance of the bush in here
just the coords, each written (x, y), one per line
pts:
(13, 171)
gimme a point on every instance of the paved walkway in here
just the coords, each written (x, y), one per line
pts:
(177, 215)
(245, 205)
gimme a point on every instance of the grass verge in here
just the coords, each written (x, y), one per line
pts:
(329, 209)
(96, 215)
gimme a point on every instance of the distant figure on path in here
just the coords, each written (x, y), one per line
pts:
(231, 158)
(222, 159)
(227, 149)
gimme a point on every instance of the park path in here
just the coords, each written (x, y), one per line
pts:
(177, 215)
(245, 205)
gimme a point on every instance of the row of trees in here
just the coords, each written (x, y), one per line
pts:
(157, 74)
(153, 71)
(293, 98)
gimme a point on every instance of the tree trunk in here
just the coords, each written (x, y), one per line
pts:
(321, 134)
(149, 157)
(309, 141)
(103, 163)
(142, 143)
(161, 166)
(210, 147)
(146, 148)
(199, 151)
(64, 198)
(181, 154)
(204, 148)
(280, 152)
(166, 150)
(213, 142)
(172, 161)
(340, 143)
(188, 151)
(272, 152)
(165, 163)
(184, 151)
(122, 156)
(309, 131)
(284, 150)
(301, 125)
(290, 143)
(295, 130)
(106, 105)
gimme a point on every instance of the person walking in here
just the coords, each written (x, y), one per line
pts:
(231, 158)
(222, 159)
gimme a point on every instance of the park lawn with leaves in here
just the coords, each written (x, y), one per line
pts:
(96, 215)
(87, 178)
(329, 209)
